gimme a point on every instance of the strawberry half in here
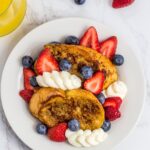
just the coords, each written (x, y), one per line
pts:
(121, 3)
(90, 39)
(46, 62)
(108, 47)
(95, 83)
(28, 73)
(113, 102)
(26, 94)
(57, 133)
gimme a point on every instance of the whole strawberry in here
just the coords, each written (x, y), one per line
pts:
(121, 3)
(112, 113)
(57, 133)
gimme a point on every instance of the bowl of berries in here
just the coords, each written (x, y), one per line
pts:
(72, 87)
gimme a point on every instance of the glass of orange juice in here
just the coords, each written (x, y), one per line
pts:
(12, 13)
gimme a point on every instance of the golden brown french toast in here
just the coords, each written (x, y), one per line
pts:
(80, 56)
(52, 106)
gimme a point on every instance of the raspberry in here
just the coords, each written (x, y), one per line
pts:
(26, 94)
(112, 113)
(57, 133)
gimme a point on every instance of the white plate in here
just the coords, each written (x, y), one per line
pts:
(16, 110)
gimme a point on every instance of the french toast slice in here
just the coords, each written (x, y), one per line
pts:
(80, 56)
(52, 106)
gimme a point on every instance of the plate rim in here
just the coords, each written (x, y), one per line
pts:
(66, 19)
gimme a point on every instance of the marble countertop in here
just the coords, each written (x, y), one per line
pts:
(132, 22)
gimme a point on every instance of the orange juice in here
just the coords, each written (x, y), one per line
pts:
(4, 5)
(12, 13)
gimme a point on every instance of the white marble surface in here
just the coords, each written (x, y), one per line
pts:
(133, 22)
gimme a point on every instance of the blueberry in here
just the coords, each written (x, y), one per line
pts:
(41, 129)
(74, 125)
(79, 2)
(33, 81)
(65, 65)
(86, 72)
(106, 125)
(118, 60)
(72, 40)
(55, 42)
(101, 98)
(27, 61)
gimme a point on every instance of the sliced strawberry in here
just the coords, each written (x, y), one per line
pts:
(90, 39)
(121, 3)
(46, 62)
(108, 47)
(95, 83)
(26, 94)
(118, 100)
(112, 113)
(110, 102)
(28, 73)
(113, 102)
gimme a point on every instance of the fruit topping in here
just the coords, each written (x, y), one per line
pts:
(33, 81)
(79, 2)
(57, 133)
(65, 65)
(118, 60)
(106, 125)
(90, 39)
(74, 125)
(101, 98)
(27, 61)
(86, 72)
(28, 73)
(73, 40)
(46, 62)
(112, 113)
(41, 128)
(55, 42)
(113, 102)
(121, 3)
(108, 47)
(26, 94)
(95, 83)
